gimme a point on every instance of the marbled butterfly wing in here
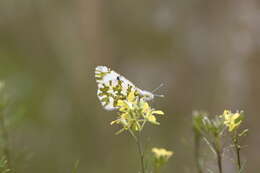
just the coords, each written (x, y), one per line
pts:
(113, 86)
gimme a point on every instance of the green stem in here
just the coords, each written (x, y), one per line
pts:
(219, 158)
(237, 149)
(238, 158)
(140, 149)
(218, 150)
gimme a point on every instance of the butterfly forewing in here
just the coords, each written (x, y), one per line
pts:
(112, 87)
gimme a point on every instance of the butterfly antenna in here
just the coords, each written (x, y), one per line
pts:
(157, 95)
(157, 88)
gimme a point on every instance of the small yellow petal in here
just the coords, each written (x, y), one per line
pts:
(158, 112)
(120, 103)
(152, 119)
(146, 108)
(113, 122)
(131, 96)
(235, 116)
(124, 115)
(226, 112)
(162, 153)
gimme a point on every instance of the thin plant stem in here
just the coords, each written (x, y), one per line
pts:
(141, 153)
(219, 158)
(140, 149)
(238, 157)
(237, 150)
(218, 153)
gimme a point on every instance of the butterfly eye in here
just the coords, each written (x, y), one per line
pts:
(148, 97)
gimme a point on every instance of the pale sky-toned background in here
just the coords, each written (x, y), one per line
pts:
(205, 52)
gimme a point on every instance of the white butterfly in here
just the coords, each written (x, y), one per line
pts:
(113, 86)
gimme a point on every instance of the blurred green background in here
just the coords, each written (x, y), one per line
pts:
(205, 52)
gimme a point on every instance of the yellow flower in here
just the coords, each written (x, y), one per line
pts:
(161, 153)
(134, 112)
(149, 113)
(121, 120)
(231, 120)
(127, 104)
(131, 96)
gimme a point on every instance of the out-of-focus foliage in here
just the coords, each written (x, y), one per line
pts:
(205, 52)
(4, 165)
(219, 133)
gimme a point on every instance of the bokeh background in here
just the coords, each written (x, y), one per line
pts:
(205, 52)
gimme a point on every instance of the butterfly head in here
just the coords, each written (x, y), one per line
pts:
(147, 95)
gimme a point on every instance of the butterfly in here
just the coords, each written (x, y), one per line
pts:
(113, 87)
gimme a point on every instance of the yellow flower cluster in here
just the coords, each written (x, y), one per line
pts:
(135, 112)
(161, 153)
(231, 120)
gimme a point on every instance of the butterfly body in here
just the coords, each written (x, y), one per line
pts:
(113, 87)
